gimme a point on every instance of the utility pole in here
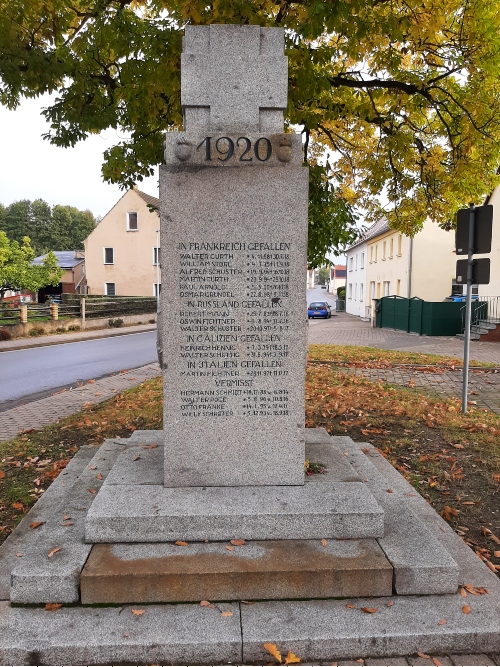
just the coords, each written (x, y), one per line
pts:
(470, 266)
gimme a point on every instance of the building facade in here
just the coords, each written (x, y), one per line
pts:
(396, 265)
(122, 254)
(73, 280)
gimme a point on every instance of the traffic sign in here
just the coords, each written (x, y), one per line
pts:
(483, 224)
(480, 271)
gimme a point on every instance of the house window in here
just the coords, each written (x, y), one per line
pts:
(362, 262)
(109, 288)
(132, 222)
(372, 289)
(356, 262)
(355, 290)
(376, 253)
(109, 256)
(350, 290)
(156, 256)
(387, 287)
(398, 287)
(456, 290)
(371, 254)
(400, 244)
(155, 289)
(475, 289)
(384, 246)
(361, 291)
(391, 252)
(351, 262)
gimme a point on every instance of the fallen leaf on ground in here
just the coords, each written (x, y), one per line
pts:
(436, 662)
(390, 603)
(98, 476)
(291, 659)
(246, 602)
(226, 614)
(350, 606)
(272, 649)
(2, 474)
(496, 554)
(67, 523)
(138, 612)
(92, 467)
(369, 610)
(466, 609)
(180, 543)
(91, 490)
(238, 543)
(17, 506)
(137, 457)
(229, 548)
(52, 606)
(54, 551)
(19, 555)
(389, 490)
(36, 524)
(442, 622)
(448, 512)
(424, 656)
(66, 517)
(206, 603)
(324, 542)
(463, 592)
(149, 446)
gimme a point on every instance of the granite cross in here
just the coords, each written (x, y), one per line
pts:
(249, 94)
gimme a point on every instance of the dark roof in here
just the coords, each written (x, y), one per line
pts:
(149, 199)
(65, 259)
(379, 227)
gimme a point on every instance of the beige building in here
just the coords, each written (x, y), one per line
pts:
(388, 263)
(122, 253)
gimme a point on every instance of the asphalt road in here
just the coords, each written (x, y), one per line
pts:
(36, 372)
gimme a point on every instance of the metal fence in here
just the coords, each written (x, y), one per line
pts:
(485, 314)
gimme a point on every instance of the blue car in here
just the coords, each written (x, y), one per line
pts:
(461, 298)
(319, 309)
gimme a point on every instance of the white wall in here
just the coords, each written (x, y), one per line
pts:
(356, 297)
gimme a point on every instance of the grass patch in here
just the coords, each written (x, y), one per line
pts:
(453, 460)
(373, 357)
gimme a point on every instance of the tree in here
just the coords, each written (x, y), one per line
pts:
(17, 272)
(60, 228)
(324, 275)
(403, 96)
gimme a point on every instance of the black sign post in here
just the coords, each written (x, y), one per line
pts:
(473, 235)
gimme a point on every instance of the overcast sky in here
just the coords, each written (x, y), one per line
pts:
(31, 168)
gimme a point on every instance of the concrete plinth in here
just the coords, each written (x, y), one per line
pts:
(271, 570)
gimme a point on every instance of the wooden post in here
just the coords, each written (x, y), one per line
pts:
(23, 313)
(54, 311)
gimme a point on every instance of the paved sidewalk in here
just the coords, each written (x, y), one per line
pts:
(50, 409)
(345, 329)
(73, 337)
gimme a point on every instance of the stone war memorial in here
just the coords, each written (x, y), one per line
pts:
(216, 509)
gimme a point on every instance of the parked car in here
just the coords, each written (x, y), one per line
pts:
(319, 309)
(460, 298)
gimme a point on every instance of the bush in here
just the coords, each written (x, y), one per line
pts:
(341, 293)
(74, 327)
(36, 331)
(151, 321)
(116, 323)
(60, 330)
(5, 334)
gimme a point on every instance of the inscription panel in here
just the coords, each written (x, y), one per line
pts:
(234, 320)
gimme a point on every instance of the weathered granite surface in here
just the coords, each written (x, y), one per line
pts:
(272, 570)
(150, 513)
(37, 576)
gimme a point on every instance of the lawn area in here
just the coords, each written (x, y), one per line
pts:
(453, 460)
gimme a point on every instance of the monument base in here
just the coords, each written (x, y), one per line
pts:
(424, 613)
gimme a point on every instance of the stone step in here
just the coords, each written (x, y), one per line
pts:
(37, 577)
(152, 513)
(422, 565)
(269, 570)
(20, 540)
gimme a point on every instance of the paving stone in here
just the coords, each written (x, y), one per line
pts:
(40, 578)
(386, 661)
(123, 573)
(23, 537)
(417, 570)
(443, 659)
(319, 629)
(165, 635)
(158, 514)
(471, 660)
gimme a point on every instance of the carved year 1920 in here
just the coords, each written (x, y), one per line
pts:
(225, 149)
